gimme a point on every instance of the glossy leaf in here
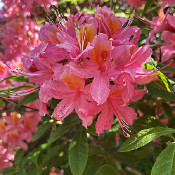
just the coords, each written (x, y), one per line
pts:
(164, 80)
(143, 137)
(78, 152)
(165, 163)
(20, 79)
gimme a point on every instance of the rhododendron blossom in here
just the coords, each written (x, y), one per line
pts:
(19, 36)
(164, 23)
(136, 3)
(92, 66)
(12, 8)
(3, 73)
(5, 157)
(15, 128)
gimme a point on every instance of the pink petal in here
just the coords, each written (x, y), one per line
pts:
(105, 119)
(43, 109)
(123, 36)
(84, 69)
(121, 55)
(127, 114)
(141, 56)
(122, 112)
(53, 53)
(65, 107)
(87, 120)
(138, 94)
(100, 88)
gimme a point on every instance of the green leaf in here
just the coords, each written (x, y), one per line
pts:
(106, 170)
(160, 93)
(152, 62)
(134, 157)
(22, 172)
(16, 78)
(147, 5)
(41, 130)
(8, 170)
(91, 129)
(61, 130)
(29, 98)
(146, 122)
(165, 163)
(19, 156)
(93, 165)
(143, 137)
(8, 78)
(20, 79)
(164, 80)
(41, 21)
(78, 152)
(51, 152)
(10, 89)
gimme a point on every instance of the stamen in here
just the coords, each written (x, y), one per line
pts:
(49, 17)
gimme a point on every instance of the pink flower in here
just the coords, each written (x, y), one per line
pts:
(18, 37)
(136, 3)
(5, 156)
(114, 105)
(164, 22)
(92, 65)
(3, 73)
(15, 129)
(73, 92)
(168, 50)
(56, 171)
(13, 8)
(37, 68)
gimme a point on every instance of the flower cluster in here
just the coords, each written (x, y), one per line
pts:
(3, 73)
(5, 157)
(164, 23)
(139, 3)
(56, 171)
(136, 3)
(17, 129)
(93, 65)
(19, 36)
(13, 8)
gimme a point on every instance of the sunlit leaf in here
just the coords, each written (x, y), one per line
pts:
(143, 137)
